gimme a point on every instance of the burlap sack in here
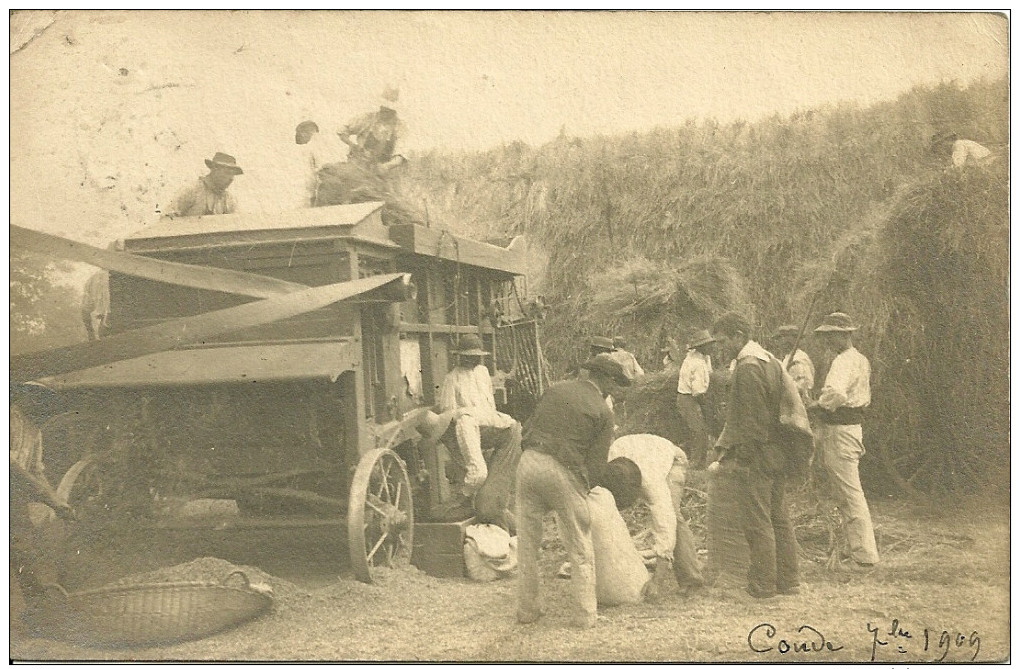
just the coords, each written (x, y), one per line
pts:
(620, 573)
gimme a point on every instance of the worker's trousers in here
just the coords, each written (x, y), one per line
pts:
(694, 430)
(546, 485)
(841, 448)
(469, 439)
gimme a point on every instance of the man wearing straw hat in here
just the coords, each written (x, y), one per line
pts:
(692, 385)
(466, 393)
(209, 196)
(373, 136)
(839, 411)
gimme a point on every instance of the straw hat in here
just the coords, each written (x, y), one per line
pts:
(837, 321)
(603, 364)
(223, 161)
(602, 343)
(786, 331)
(700, 338)
(470, 344)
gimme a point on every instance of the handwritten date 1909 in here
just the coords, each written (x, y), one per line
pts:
(930, 640)
(808, 640)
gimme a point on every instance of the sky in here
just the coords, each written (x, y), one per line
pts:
(118, 108)
(475, 79)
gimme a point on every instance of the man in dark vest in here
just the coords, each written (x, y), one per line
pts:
(750, 446)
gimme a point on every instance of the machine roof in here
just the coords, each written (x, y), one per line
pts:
(354, 222)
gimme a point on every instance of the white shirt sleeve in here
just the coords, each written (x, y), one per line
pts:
(839, 382)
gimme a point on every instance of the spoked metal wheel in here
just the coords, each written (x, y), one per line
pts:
(380, 514)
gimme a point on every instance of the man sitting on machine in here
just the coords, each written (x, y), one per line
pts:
(466, 398)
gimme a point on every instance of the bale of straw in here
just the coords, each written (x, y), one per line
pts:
(650, 301)
(926, 276)
(650, 407)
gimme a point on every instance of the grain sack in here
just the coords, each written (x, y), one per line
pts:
(620, 573)
(489, 552)
(728, 556)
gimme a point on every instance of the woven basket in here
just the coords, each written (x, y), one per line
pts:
(150, 614)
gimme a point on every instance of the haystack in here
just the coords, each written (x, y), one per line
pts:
(649, 302)
(927, 277)
(350, 183)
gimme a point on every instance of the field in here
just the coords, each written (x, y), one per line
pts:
(942, 592)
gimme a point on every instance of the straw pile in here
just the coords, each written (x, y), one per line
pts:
(350, 183)
(649, 302)
(927, 278)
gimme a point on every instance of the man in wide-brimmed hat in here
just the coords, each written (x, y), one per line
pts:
(631, 366)
(373, 136)
(692, 386)
(566, 453)
(467, 393)
(838, 413)
(797, 363)
(600, 344)
(209, 196)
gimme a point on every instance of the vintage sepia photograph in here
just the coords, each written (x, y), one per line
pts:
(509, 336)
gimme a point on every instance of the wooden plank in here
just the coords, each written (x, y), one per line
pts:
(184, 331)
(207, 278)
(242, 523)
(442, 244)
(436, 328)
(244, 226)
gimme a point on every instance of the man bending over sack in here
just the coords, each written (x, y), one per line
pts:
(661, 469)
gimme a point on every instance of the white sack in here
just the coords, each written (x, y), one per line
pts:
(620, 573)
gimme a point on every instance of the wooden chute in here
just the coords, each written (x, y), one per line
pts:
(181, 274)
(195, 329)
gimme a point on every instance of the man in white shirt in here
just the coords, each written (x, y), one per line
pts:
(316, 152)
(692, 385)
(800, 366)
(960, 152)
(467, 393)
(838, 413)
(631, 367)
(663, 474)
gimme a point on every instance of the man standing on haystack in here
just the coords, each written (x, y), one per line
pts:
(373, 136)
(839, 410)
(797, 363)
(749, 446)
(209, 196)
(695, 373)
(467, 393)
(566, 454)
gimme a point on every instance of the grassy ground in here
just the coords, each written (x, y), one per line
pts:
(941, 573)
